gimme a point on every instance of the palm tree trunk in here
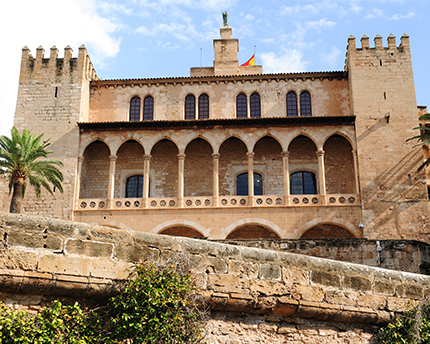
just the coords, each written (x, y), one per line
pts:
(16, 202)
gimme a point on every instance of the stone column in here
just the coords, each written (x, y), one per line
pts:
(78, 180)
(145, 193)
(321, 176)
(357, 179)
(111, 185)
(285, 161)
(250, 156)
(215, 193)
(181, 168)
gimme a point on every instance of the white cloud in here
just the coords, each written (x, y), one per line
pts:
(406, 16)
(332, 57)
(48, 23)
(375, 13)
(322, 23)
(287, 62)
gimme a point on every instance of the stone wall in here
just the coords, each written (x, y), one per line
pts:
(253, 293)
(402, 255)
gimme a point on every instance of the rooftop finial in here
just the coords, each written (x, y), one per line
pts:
(225, 17)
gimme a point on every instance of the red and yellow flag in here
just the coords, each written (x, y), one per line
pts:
(250, 62)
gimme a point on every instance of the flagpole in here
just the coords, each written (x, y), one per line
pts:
(255, 50)
(201, 57)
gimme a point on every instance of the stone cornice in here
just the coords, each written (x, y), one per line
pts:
(198, 80)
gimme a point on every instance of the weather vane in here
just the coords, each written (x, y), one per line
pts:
(225, 17)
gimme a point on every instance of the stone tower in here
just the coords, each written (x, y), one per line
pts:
(53, 96)
(383, 100)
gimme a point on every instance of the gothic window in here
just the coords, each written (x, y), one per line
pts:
(148, 108)
(241, 106)
(134, 187)
(204, 106)
(305, 104)
(135, 109)
(292, 104)
(303, 183)
(190, 107)
(242, 184)
(255, 105)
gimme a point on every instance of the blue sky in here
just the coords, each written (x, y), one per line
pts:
(162, 38)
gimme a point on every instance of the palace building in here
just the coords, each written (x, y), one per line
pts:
(231, 152)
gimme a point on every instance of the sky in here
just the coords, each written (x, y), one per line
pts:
(164, 38)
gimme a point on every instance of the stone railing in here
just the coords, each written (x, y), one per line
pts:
(223, 201)
(55, 257)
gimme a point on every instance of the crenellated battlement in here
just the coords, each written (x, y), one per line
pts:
(54, 67)
(378, 44)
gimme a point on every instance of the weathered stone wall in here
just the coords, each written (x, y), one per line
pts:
(330, 96)
(383, 100)
(402, 255)
(53, 95)
(259, 294)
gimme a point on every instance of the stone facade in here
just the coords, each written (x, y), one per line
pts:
(254, 294)
(333, 163)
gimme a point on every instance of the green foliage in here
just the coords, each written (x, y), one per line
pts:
(412, 327)
(423, 139)
(156, 305)
(23, 157)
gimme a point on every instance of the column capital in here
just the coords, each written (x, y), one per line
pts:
(215, 155)
(320, 152)
(181, 156)
(354, 152)
(285, 154)
(147, 157)
(113, 157)
(250, 154)
(80, 158)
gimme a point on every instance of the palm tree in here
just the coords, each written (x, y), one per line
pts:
(22, 159)
(423, 138)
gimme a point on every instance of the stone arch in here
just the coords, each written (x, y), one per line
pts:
(173, 226)
(129, 162)
(152, 142)
(182, 231)
(340, 133)
(184, 142)
(95, 171)
(198, 172)
(267, 134)
(253, 228)
(296, 133)
(232, 159)
(164, 169)
(92, 138)
(339, 165)
(123, 138)
(268, 160)
(339, 223)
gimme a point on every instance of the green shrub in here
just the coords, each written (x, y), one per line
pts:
(412, 327)
(156, 305)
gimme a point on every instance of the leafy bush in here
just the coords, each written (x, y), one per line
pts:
(412, 327)
(156, 305)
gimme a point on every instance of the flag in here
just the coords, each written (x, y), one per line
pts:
(250, 62)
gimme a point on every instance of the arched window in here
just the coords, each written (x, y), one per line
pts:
(135, 109)
(242, 184)
(255, 105)
(204, 106)
(241, 106)
(291, 104)
(305, 104)
(303, 183)
(134, 187)
(190, 107)
(148, 108)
